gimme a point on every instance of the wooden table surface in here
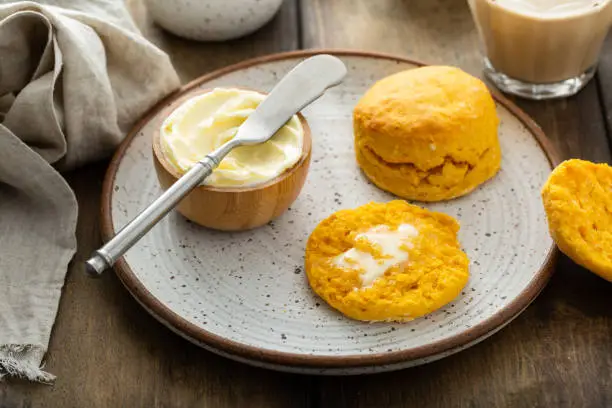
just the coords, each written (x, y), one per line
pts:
(108, 352)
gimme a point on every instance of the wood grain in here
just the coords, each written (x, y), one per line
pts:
(556, 353)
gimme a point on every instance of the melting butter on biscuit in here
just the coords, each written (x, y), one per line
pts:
(392, 246)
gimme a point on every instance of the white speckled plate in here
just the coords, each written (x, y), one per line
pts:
(245, 295)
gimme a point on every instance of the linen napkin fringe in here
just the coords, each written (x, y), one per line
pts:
(21, 361)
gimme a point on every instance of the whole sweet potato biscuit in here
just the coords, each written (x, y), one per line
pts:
(386, 261)
(578, 202)
(427, 134)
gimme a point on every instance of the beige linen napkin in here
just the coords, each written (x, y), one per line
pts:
(74, 76)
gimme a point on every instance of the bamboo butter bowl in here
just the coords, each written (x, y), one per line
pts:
(234, 208)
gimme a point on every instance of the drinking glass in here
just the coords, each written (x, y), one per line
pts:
(541, 49)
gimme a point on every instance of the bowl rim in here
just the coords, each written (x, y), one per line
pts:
(245, 352)
(182, 98)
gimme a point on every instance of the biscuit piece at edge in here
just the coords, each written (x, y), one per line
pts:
(577, 198)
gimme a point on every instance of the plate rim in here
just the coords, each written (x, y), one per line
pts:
(201, 336)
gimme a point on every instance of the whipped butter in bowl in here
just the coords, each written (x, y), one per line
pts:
(253, 184)
(205, 122)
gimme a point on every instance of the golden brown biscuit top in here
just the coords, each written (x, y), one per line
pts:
(422, 102)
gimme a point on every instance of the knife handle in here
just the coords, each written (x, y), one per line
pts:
(106, 256)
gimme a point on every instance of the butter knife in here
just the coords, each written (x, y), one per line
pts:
(304, 84)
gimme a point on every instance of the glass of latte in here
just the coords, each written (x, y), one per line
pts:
(541, 49)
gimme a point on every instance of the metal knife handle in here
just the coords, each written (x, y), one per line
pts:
(106, 256)
(301, 86)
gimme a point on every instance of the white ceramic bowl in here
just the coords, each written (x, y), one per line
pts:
(212, 20)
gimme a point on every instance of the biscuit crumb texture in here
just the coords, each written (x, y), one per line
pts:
(577, 198)
(427, 134)
(433, 272)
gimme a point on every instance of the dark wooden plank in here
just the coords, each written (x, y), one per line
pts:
(557, 352)
(575, 125)
(604, 82)
(105, 349)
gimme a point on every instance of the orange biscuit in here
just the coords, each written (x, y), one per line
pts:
(386, 261)
(578, 202)
(427, 134)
